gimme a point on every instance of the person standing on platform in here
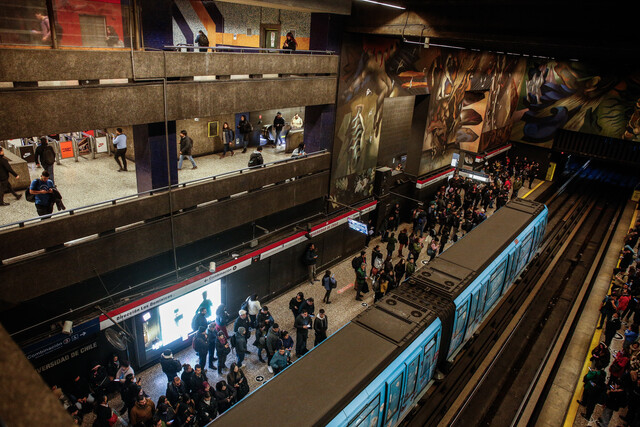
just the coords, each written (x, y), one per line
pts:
(241, 345)
(357, 262)
(328, 283)
(43, 190)
(391, 244)
(244, 128)
(46, 156)
(320, 326)
(212, 337)
(228, 138)
(290, 42)
(607, 308)
(200, 319)
(302, 325)
(310, 260)
(253, 308)
(517, 185)
(170, 366)
(222, 349)
(376, 261)
(278, 125)
(361, 282)
(403, 241)
(120, 144)
(243, 321)
(5, 170)
(186, 145)
(308, 306)
(200, 345)
(594, 385)
(273, 337)
(295, 303)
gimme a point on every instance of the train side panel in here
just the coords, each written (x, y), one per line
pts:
(391, 394)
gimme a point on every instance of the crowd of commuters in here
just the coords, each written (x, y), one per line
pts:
(194, 395)
(613, 380)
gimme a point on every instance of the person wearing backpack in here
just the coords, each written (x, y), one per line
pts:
(5, 170)
(43, 190)
(245, 128)
(170, 366)
(46, 157)
(328, 282)
(186, 145)
(376, 261)
(256, 158)
(201, 40)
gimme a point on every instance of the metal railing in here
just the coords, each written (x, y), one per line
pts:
(243, 49)
(117, 200)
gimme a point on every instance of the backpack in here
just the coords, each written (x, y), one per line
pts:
(377, 263)
(29, 197)
(204, 40)
(333, 283)
(356, 262)
(48, 156)
(232, 340)
(254, 160)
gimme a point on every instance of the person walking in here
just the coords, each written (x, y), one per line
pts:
(46, 157)
(186, 145)
(228, 138)
(245, 128)
(278, 125)
(120, 144)
(328, 283)
(5, 185)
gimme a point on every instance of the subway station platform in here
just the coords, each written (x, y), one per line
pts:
(342, 309)
(561, 407)
(91, 181)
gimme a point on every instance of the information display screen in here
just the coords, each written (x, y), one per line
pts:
(358, 226)
(172, 320)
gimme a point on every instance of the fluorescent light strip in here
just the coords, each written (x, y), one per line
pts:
(383, 4)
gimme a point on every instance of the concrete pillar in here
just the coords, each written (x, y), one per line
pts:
(418, 126)
(22, 386)
(151, 155)
(319, 127)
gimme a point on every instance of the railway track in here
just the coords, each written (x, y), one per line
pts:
(497, 378)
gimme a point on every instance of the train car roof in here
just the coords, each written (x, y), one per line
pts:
(317, 385)
(480, 246)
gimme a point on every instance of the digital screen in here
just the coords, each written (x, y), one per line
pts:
(358, 226)
(176, 315)
(455, 159)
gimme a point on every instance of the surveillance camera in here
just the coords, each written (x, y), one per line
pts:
(212, 267)
(67, 327)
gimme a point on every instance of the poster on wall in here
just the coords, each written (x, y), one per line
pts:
(101, 144)
(212, 129)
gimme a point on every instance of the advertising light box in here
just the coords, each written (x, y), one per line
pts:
(171, 321)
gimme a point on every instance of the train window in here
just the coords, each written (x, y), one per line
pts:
(368, 416)
(513, 263)
(495, 283)
(395, 388)
(428, 362)
(524, 252)
(460, 326)
(412, 376)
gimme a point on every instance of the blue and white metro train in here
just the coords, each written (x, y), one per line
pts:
(372, 370)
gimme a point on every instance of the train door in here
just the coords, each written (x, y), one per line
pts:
(476, 311)
(459, 326)
(410, 387)
(525, 250)
(429, 357)
(511, 261)
(494, 290)
(369, 415)
(394, 394)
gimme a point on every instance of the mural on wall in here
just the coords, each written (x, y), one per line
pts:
(578, 97)
(473, 96)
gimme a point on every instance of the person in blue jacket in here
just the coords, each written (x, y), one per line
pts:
(43, 189)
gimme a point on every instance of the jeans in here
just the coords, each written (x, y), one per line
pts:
(245, 140)
(120, 153)
(241, 355)
(278, 133)
(226, 148)
(301, 344)
(182, 157)
(605, 417)
(49, 168)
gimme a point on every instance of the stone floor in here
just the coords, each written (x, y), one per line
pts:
(342, 309)
(90, 181)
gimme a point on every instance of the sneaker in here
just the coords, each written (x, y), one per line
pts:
(195, 167)
(4, 204)
(270, 369)
(19, 196)
(328, 302)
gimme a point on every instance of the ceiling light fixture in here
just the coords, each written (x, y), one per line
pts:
(383, 4)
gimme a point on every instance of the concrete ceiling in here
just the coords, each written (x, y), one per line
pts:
(339, 7)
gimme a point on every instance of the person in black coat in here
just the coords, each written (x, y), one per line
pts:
(207, 409)
(170, 366)
(186, 144)
(278, 125)
(5, 170)
(201, 346)
(307, 306)
(310, 260)
(302, 325)
(176, 389)
(294, 304)
(187, 373)
(612, 327)
(320, 326)
(222, 349)
(212, 337)
(224, 396)
(222, 316)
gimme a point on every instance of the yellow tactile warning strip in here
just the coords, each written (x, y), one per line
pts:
(533, 189)
(573, 407)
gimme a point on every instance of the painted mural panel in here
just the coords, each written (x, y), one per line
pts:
(578, 97)
(473, 96)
